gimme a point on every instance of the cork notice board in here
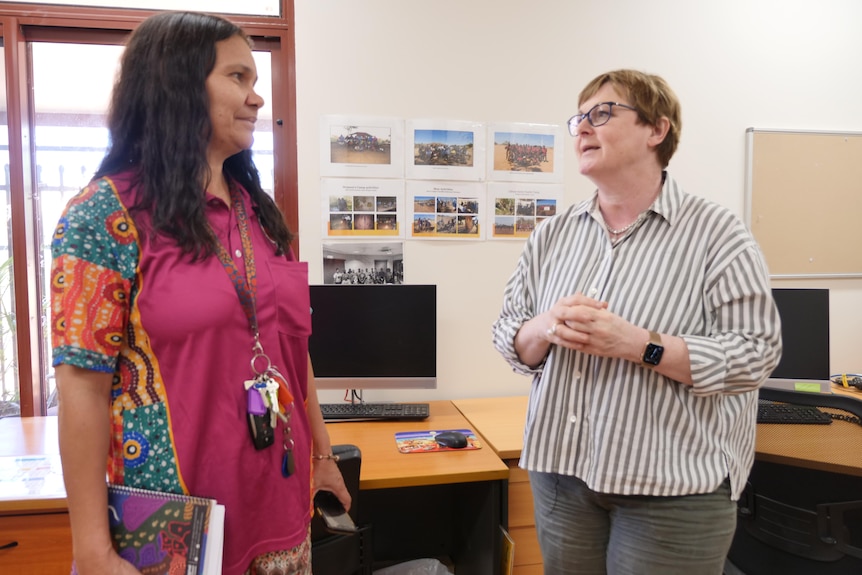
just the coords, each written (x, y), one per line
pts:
(804, 201)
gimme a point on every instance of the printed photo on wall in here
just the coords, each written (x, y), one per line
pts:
(445, 150)
(445, 210)
(361, 146)
(349, 263)
(362, 207)
(519, 208)
(526, 153)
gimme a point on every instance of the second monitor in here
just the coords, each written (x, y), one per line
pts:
(374, 336)
(805, 332)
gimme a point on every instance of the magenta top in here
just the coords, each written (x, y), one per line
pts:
(175, 336)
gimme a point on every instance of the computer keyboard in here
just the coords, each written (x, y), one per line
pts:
(354, 411)
(768, 412)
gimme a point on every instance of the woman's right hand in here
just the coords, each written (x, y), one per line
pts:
(108, 564)
(536, 336)
(85, 431)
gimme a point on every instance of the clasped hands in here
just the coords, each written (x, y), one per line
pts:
(582, 323)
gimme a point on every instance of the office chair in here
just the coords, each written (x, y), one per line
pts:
(333, 554)
(799, 521)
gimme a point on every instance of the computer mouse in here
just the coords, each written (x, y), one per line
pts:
(453, 439)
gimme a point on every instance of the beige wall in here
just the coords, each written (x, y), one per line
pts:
(789, 64)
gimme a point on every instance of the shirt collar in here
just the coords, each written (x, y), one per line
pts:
(666, 205)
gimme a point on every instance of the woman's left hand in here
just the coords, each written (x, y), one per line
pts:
(598, 331)
(326, 476)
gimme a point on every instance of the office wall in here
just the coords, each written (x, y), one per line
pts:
(734, 64)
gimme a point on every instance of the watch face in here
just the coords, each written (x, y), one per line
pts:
(652, 354)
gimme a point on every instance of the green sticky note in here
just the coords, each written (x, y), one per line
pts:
(810, 387)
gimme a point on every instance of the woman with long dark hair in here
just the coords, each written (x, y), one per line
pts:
(180, 314)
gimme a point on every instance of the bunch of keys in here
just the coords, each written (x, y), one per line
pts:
(268, 399)
(263, 410)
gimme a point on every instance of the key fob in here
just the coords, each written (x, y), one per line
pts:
(254, 402)
(262, 433)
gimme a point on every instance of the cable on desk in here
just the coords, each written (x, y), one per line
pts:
(353, 395)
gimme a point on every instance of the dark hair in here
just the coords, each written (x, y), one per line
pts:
(160, 128)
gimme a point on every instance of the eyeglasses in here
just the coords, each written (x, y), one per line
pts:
(599, 115)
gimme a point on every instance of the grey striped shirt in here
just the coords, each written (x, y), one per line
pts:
(690, 269)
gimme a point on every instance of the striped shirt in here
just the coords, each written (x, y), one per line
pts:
(690, 268)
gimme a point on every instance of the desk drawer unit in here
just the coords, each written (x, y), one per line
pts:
(44, 544)
(522, 523)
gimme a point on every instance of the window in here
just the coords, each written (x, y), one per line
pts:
(253, 7)
(53, 138)
(8, 352)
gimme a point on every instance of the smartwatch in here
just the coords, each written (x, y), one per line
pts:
(653, 350)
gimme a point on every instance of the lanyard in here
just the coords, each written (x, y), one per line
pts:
(246, 287)
(274, 395)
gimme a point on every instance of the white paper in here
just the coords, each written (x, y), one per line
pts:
(361, 147)
(215, 541)
(526, 152)
(446, 210)
(515, 209)
(445, 150)
(362, 208)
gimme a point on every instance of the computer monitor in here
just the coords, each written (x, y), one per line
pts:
(374, 336)
(805, 333)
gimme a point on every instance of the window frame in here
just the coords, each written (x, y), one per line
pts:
(24, 23)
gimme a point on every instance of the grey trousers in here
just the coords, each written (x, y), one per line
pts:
(582, 532)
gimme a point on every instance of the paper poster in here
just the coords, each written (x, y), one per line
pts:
(518, 208)
(363, 262)
(361, 147)
(446, 210)
(362, 207)
(445, 150)
(526, 152)
(31, 476)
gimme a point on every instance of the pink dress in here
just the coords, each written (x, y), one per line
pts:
(176, 338)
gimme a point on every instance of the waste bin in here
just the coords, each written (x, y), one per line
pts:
(415, 567)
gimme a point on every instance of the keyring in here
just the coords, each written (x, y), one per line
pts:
(258, 355)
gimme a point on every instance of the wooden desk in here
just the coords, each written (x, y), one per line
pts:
(418, 504)
(429, 504)
(38, 520)
(820, 447)
(31, 436)
(384, 467)
(501, 422)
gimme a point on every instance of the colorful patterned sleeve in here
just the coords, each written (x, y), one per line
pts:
(94, 260)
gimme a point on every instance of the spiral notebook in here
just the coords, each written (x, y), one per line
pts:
(161, 533)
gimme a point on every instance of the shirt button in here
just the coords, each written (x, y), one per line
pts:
(573, 419)
(238, 253)
(593, 292)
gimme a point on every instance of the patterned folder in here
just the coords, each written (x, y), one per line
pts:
(166, 532)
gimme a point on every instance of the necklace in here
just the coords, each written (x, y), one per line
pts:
(621, 231)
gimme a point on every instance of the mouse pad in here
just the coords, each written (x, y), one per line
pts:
(423, 441)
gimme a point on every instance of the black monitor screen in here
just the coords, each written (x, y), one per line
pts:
(374, 336)
(805, 332)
